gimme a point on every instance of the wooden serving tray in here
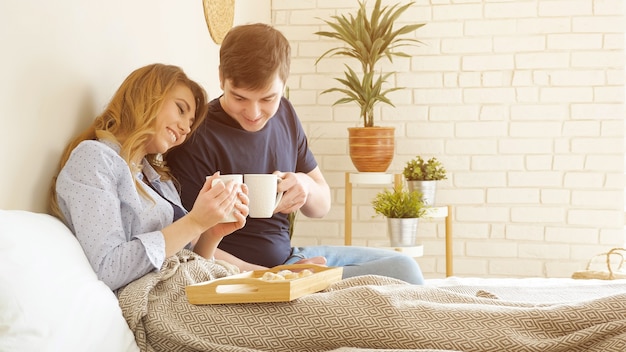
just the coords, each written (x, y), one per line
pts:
(248, 287)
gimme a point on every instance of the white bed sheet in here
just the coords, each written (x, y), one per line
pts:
(535, 290)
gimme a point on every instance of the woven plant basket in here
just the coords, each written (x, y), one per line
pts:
(219, 16)
(610, 273)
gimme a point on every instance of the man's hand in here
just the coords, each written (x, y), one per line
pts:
(295, 192)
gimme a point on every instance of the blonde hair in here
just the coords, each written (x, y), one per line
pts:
(129, 120)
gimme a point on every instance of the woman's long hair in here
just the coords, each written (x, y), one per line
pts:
(130, 117)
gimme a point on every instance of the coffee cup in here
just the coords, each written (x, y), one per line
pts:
(238, 180)
(263, 194)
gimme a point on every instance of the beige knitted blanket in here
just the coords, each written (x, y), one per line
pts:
(362, 314)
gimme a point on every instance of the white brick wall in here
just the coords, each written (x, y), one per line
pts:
(523, 101)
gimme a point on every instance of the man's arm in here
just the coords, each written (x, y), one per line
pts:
(308, 193)
(318, 200)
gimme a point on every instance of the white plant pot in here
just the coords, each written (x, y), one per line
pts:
(402, 232)
(428, 190)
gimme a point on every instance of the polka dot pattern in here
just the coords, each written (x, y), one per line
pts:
(119, 230)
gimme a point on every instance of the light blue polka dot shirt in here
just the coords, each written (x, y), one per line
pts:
(119, 229)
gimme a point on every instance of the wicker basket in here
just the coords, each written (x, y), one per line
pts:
(219, 16)
(609, 273)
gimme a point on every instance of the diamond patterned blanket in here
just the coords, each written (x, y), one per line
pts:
(367, 313)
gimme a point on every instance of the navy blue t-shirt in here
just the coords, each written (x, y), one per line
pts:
(220, 144)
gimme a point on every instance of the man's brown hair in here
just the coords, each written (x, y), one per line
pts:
(251, 54)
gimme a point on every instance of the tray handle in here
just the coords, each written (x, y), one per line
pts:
(211, 286)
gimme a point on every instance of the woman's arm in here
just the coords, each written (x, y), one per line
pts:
(211, 205)
(207, 243)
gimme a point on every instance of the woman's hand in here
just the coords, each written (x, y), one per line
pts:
(216, 200)
(240, 213)
(206, 244)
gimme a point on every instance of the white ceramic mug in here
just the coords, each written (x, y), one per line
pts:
(263, 194)
(238, 179)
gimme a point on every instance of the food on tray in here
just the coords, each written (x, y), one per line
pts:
(286, 275)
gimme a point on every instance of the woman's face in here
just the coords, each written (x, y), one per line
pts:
(174, 121)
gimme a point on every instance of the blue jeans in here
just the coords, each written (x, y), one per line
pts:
(358, 261)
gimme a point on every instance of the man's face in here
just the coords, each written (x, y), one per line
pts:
(252, 108)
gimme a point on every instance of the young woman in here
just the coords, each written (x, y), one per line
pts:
(117, 195)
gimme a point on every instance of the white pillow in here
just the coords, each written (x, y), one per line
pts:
(50, 298)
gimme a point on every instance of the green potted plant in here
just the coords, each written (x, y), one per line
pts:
(423, 175)
(369, 38)
(402, 208)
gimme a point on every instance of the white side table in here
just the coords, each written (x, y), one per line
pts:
(380, 178)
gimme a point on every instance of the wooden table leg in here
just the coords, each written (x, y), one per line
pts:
(449, 253)
(398, 180)
(348, 211)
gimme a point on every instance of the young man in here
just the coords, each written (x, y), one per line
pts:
(251, 128)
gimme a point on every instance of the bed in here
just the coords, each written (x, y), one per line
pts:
(50, 300)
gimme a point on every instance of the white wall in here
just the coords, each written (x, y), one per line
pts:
(522, 100)
(62, 60)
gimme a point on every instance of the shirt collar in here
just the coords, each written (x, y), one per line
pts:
(146, 168)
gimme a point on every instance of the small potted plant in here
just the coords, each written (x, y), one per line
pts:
(402, 208)
(423, 175)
